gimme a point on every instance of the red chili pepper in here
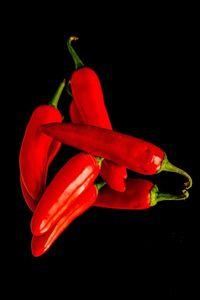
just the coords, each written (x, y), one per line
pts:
(139, 194)
(55, 146)
(72, 179)
(37, 150)
(74, 113)
(40, 244)
(88, 107)
(133, 153)
(87, 92)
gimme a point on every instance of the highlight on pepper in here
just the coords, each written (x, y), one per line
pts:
(97, 175)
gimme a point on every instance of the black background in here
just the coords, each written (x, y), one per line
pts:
(147, 67)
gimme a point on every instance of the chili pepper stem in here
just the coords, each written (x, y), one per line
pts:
(78, 62)
(99, 160)
(99, 185)
(169, 167)
(156, 196)
(56, 97)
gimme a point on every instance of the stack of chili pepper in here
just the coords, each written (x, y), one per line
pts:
(104, 152)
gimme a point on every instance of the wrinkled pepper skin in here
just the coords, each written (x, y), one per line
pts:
(67, 185)
(40, 244)
(135, 154)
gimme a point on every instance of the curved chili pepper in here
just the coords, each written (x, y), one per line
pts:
(72, 179)
(139, 194)
(40, 244)
(88, 107)
(135, 154)
(54, 148)
(37, 150)
(87, 92)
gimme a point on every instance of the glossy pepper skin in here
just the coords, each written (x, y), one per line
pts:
(71, 180)
(140, 194)
(31, 203)
(37, 150)
(87, 92)
(135, 154)
(88, 97)
(40, 244)
(88, 107)
(75, 116)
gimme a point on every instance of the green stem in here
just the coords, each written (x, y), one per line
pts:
(156, 196)
(56, 97)
(99, 185)
(167, 166)
(99, 160)
(78, 62)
